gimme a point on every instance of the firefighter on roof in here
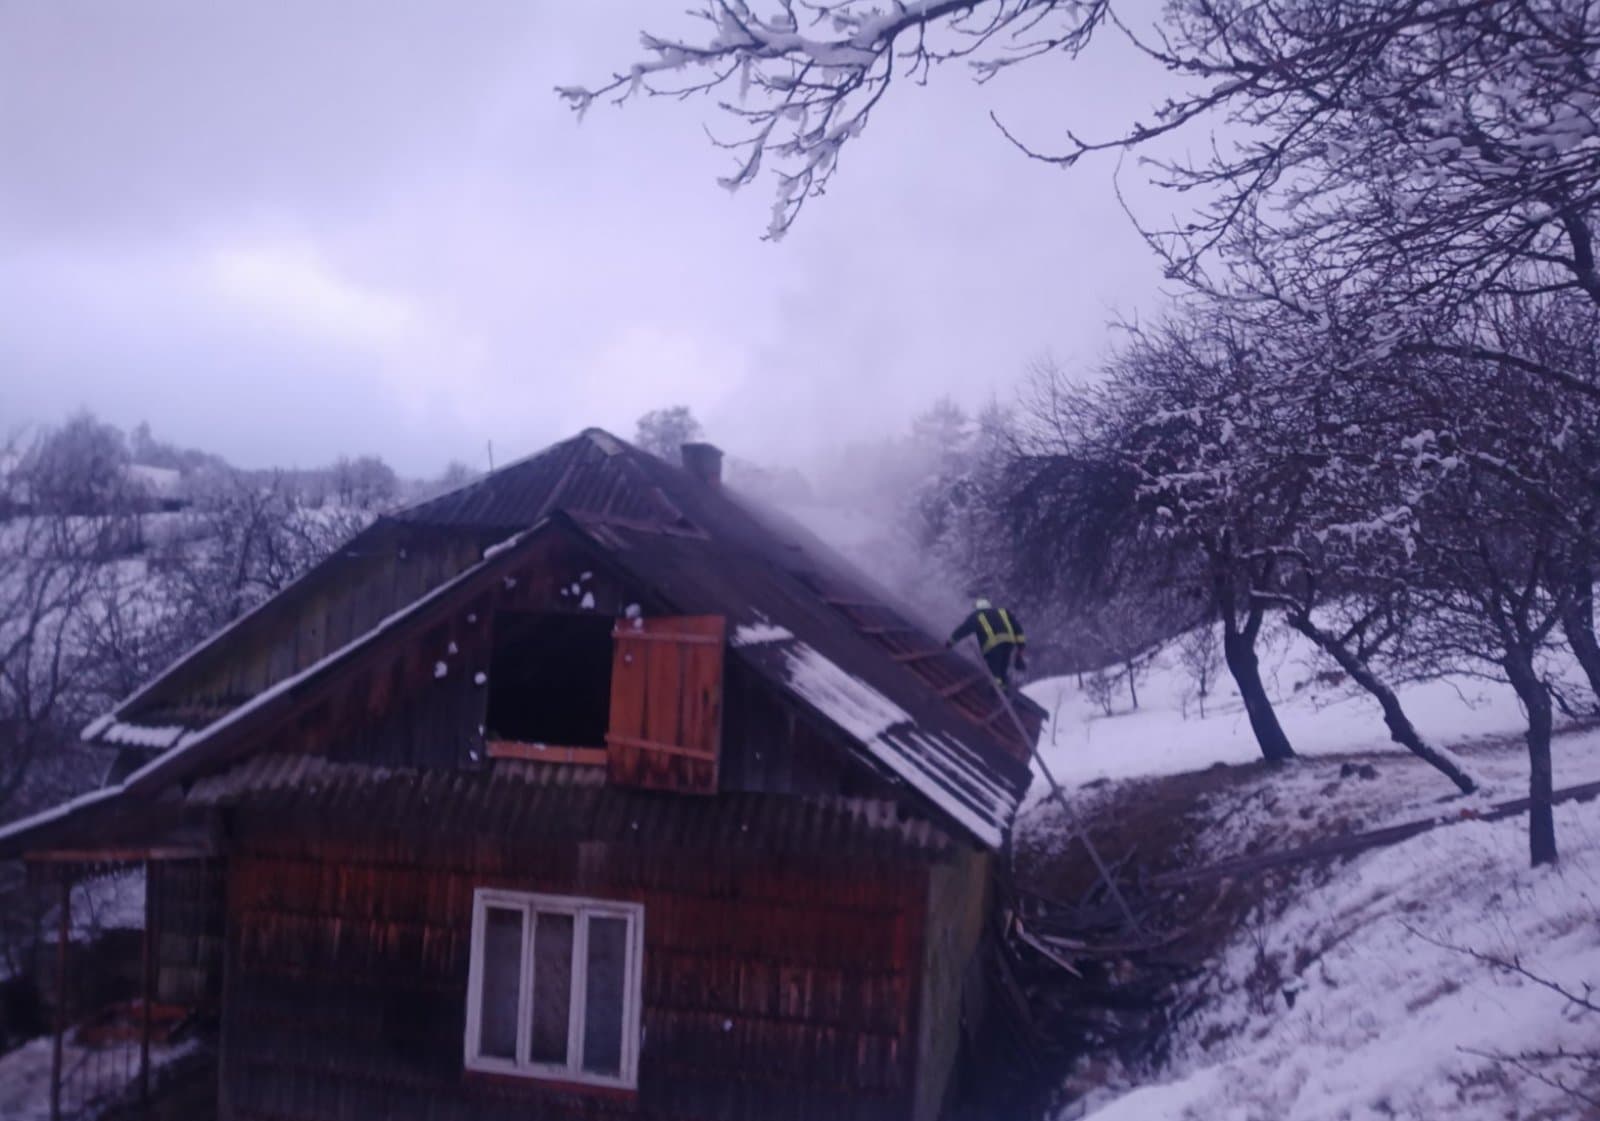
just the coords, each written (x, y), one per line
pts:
(999, 636)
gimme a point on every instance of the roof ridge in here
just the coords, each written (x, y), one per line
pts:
(478, 481)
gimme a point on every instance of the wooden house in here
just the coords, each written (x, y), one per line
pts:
(586, 789)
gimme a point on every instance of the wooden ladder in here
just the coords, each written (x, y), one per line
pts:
(1075, 830)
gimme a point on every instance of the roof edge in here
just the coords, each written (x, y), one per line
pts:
(164, 765)
(91, 730)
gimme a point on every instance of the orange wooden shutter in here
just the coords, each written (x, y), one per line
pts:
(666, 703)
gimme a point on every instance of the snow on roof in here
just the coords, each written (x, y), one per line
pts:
(757, 633)
(55, 813)
(128, 734)
(848, 701)
(936, 765)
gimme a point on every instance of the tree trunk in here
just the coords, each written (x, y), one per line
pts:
(1577, 623)
(1238, 649)
(1536, 699)
(1133, 689)
(1401, 730)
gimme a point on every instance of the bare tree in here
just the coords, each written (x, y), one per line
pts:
(1138, 485)
(78, 469)
(455, 474)
(663, 432)
(47, 568)
(1250, 483)
(1489, 600)
(1449, 135)
(1198, 654)
(363, 483)
(251, 538)
(1577, 623)
(1501, 472)
(1100, 686)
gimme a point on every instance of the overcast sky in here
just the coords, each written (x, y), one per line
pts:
(292, 230)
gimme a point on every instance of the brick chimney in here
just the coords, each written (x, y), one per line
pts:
(704, 462)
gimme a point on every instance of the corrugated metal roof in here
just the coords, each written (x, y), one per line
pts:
(705, 552)
(593, 473)
(514, 798)
(906, 728)
(709, 553)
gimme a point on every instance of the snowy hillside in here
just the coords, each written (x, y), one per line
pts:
(1354, 992)
(1321, 713)
(1363, 999)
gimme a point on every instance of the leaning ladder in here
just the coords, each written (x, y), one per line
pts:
(1060, 796)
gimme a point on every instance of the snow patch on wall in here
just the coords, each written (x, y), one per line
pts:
(141, 735)
(754, 634)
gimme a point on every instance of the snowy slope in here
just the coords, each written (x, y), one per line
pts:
(1384, 1022)
(1166, 735)
(1391, 1017)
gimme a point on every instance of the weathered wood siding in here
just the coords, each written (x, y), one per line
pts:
(774, 988)
(376, 574)
(952, 998)
(767, 745)
(184, 905)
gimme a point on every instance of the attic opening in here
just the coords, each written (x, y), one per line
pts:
(550, 679)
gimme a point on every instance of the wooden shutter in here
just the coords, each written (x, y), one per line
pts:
(666, 703)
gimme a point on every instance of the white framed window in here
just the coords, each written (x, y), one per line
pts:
(553, 989)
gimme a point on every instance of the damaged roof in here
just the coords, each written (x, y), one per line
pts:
(798, 614)
(817, 654)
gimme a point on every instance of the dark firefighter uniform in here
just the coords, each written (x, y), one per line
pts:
(999, 636)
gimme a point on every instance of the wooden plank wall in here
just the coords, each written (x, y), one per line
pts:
(414, 698)
(781, 989)
(958, 905)
(381, 571)
(185, 903)
(767, 746)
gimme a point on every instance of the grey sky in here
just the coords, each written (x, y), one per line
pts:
(288, 231)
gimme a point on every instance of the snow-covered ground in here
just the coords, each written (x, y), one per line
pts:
(1392, 1015)
(1360, 997)
(1166, 734)
(25, 1072)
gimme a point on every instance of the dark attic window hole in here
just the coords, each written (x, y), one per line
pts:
(550, 679)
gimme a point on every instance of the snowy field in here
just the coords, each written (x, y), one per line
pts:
(1392, 1016)
(1166, 735)
(1360, 999)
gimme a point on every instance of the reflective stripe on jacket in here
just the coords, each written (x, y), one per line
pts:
(1004, 634)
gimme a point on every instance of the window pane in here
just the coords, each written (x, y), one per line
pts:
(602, 1026)
(552, 987)
(502, 981)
